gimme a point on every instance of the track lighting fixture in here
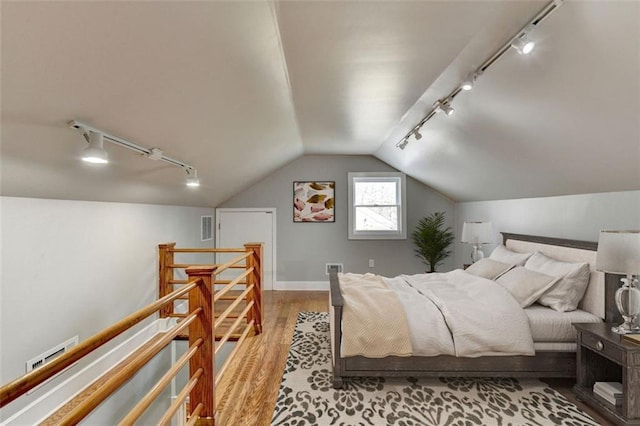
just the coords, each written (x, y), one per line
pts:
(95, 152)
(523, 45)
(444, 106)
(402, 144)
(519, 41)
(470, 81)
(417, 135)
(192, 178)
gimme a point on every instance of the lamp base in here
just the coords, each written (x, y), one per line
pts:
(625, 328)
(628, 302)
(477, 253)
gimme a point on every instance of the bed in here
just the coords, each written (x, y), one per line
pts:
(552, 333)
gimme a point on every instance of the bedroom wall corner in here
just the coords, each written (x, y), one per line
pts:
(578, 217)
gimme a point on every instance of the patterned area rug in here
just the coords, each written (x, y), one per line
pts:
(307, 397)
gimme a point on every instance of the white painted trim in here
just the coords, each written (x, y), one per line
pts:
(401, 233)
(41, 408)
(271, 210)
(301, 286)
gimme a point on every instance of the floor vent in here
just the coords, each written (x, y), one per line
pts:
(51, 354)
(206, 229)
(333, 267)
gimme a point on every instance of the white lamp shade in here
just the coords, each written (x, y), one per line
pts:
(477, 232)
(619, 252)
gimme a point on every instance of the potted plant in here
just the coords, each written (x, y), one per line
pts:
(432, 240)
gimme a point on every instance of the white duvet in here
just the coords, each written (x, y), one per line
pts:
(459, 314)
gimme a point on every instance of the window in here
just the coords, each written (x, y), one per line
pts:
(377, 206)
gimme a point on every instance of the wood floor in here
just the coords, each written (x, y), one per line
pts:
(248, 393)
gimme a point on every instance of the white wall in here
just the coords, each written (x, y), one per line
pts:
(304, 248)
(577, 217)
(73, 268)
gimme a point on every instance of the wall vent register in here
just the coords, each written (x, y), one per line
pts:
(206, 228)
(51, 354)
(330, 267)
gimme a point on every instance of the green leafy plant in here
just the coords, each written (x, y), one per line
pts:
(432, 240)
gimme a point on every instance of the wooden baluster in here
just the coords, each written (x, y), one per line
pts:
(255, 261)
(165, 275)
(202, 328)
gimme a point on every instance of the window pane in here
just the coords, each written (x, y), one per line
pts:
(376, 218)
(375, 193)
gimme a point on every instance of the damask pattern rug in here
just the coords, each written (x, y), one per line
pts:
(307, 397)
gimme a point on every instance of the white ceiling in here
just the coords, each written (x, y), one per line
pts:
(238, 89)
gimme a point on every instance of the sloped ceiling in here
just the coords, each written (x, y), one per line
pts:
(238, 89)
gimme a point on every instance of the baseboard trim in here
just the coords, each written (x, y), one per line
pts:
(301, 286)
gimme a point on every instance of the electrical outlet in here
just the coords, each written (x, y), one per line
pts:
(372, 263)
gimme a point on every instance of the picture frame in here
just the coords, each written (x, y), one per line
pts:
(314, 201)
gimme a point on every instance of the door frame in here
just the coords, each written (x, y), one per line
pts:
(271, 210)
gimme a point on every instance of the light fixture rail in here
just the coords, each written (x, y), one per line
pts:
(518, 42)
(152, 153)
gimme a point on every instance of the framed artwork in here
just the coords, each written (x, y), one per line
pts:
(314, 201)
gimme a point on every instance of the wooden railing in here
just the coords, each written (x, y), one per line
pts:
(249, 258)
(199, 323)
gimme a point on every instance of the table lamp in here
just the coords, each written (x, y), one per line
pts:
(619, 253)
(477, 233)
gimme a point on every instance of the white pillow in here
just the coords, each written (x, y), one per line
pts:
(488, 268)
(568, 291)
(504, 255)
(525, 285)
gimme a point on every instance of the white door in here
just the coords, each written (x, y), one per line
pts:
(235, 227)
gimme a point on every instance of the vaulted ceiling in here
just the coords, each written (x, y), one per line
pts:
(238, 89)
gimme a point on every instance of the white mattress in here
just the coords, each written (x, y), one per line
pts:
(548, 325)
(555, 346)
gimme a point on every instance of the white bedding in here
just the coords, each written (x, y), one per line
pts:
(548, 325)
(456, 313)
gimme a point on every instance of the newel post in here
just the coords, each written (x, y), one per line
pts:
(255, 261)
(165, 275)
(202, 327)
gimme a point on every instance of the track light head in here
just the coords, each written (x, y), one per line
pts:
(469, 81)
(417, 134)
(95, 152)
(192, 178)
(523, 45)
(444, 106)
(402, 144)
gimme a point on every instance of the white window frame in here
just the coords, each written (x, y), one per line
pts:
(399, 178)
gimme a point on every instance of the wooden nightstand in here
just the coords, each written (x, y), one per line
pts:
(604, 357)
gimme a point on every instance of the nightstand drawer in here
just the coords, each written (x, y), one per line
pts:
(602, 346)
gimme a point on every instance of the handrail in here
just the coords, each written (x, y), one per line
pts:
(235, 350)
(186, 265)
(182, 396)
(157, 389)
(195, 414)
(232, 262)
(231, 284)
(233, 327)
(20, 386)
(231, 307)
(114, 382)
(200, 322)
(250, 260)
(208, 250)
